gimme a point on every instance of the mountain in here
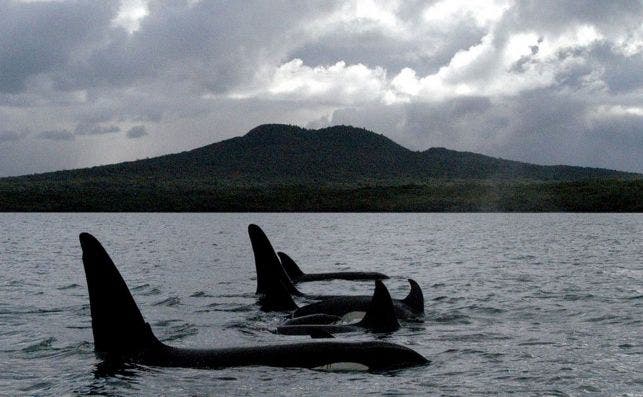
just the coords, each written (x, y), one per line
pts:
(277, 154)
(286, 168)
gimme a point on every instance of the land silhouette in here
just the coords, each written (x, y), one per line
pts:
(278, 167)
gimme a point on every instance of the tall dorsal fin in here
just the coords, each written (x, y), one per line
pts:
(117, 323)
(415, 298)
(380, 316)
(289, 265)
(272, 281)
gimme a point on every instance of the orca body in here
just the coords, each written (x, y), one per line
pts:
(380, 317)
(411, 307)
(122, 335)
(313, 319)
(276, 288)
(297, 276)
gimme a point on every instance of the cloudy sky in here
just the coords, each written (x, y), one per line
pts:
(545, 81)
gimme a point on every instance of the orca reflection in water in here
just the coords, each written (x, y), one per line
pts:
(122, 335)
(276, 288)
(380, 317)
(297, 276)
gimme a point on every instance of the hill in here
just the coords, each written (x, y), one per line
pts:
(281, 167)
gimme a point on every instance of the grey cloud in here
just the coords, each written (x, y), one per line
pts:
(214, 45)
(425, 49)
(555, 16)
(552, 128)
(7, 136)
(57, 135)
(95, 129)
(137, 131)
(39, 37)
(63, 63)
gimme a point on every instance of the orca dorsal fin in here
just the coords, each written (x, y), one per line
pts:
(117, 324)
(276, 298)
(290, 266)
(272, 281)
(269, 268)
(380, 316)
(415, 298)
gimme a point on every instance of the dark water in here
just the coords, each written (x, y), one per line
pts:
(529, 304)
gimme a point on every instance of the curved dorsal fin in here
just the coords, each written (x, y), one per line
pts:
(117, 323)
(380, 316)
(272, 281)
(415, 298)
(290, 266)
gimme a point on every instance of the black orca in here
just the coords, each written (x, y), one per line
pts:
(319, 318)
(122, 335)
(380, 317)
(276, 288)
(297, 276)
(411, 307)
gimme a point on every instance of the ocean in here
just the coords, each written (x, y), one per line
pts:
(524, 304)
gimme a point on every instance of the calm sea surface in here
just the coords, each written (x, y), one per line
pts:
(525, 304)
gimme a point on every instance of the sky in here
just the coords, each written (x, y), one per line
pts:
(84, 83)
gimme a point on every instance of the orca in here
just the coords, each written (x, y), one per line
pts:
(311, 319)
(409, 308)
(121, 334)
(276, 289)
(380, 318)
(297, 276)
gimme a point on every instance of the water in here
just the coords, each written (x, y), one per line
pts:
(529, 304)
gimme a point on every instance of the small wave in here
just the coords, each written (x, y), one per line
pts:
(450, 318)
(232, 308)
(464, 351)
(181, 331)
(44, 344)
(536, 343)
(577, 297)
(38, 386)
(165, 323)
(68, 286)
(170, 302)
(34, 311)
(485, 309)
(200, 294)
(610, 318)
(139, 287)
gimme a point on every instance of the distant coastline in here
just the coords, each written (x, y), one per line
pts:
(280, 168)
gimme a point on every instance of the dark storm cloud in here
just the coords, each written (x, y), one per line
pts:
(215, 45)
(40, 37)
(56, 135)
(136, 131)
